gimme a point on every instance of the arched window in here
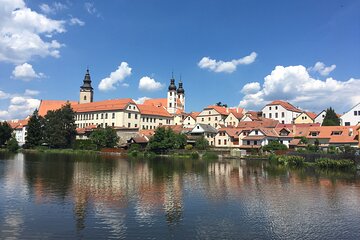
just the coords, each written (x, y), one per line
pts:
(85, 97)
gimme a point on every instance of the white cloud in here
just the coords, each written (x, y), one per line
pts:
(115, 78)
(149, 84)
(76, 21)
(4, 95)
(90, 8)
(250, 88)
(25, 72)
(29, 92)
(55, 7)
(294, 84)
(322, 69)
(21, 31)
(228, 67)
(19, 107)
(125, 85)
(141, 100)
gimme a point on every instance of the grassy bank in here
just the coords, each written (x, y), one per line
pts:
(60, 151)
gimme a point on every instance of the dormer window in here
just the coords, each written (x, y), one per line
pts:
(256, 132)
(336, 132)
(314, 134)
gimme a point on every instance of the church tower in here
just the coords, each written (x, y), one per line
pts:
(171, 97)
(181, 96)
(86, 91)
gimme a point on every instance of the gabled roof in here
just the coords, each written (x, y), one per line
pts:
(18, 124)
(158, 102)
(232, 132)
(206, 128)
(348, 133)
(106, 105)
(153, 110)
(52, 105)
(263, 122)
(288, 106)
(312, 115)
(224, 110)
(193, 115)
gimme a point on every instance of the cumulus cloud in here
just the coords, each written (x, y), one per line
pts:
(141, 100)
(149, 84)
(76, 21)
(4, 95)
(115, 77)
(322, 68)
(25, 72)
(21, 32)
(227, 67)
(294, 84)
(19, 106)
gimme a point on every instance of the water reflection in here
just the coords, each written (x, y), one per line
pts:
(111, 197)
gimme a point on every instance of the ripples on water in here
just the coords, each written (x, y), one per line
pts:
(93, 197)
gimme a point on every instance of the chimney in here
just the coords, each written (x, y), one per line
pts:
(351, 132)
(227, 110)
(237, 110)
(294, 129)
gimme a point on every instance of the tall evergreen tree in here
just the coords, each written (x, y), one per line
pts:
(5, 132)
(35, 130)
(331, 119)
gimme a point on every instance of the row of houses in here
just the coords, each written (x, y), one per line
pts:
(221, 126)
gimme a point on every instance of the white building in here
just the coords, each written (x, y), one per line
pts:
(320, 117)
(282, 111)
(352, 117)
(19, 130)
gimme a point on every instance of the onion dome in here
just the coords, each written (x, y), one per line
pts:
(172, 86)
(180, 89)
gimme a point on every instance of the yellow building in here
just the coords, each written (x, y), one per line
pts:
(305, 117)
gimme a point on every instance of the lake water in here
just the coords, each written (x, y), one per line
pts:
(47, 196)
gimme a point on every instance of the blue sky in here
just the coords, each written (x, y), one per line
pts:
(306, 52)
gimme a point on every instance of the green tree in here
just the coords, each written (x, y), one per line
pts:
(104, 137)
(273, 146)
(35, 130)
(60, 128)
(165, 139)
(5, 132)
(201, 143)
(12, 145)
(331, 119)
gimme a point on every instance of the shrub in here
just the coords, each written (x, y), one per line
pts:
(334, 164)
(12, 145)
(201, 143)
(188, 147)
(134, 147)
(210, 156)
(84, 144)
(194, 155)
(292, 161)
(273, 146)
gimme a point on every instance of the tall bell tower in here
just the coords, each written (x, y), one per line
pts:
(181, 96)
(86, 90)
(171, 97)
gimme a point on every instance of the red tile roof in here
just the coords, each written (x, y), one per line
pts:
(263, 122)
(312, 115)
(18, 124)
(51, 105)
(286, 105)
(158, 102)
(153, 110)
(106, 105)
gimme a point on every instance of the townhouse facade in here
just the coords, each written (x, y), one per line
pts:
(351, 117)
(282, 111)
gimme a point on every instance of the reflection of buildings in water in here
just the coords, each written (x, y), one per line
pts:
(14, 191)
(173, 204)
(224, 178)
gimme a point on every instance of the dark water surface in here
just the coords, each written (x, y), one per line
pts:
(47, 196)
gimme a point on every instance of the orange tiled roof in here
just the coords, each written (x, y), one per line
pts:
(106, 105)
(286, 105)
(312, 115)
(193, 115)
(159, 102)
(51, 105)
(348, 134)
(18, 124)
(153, 110)
(262, 122)
(232, 132)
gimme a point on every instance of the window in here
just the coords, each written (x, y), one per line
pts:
(347, 123)
(355, 113)
(276, 108)
(202, 119)
(359, 113)
(269, 115)
(219, 142)
(248, 142)
(255, 142)
(136, 116)
(113, 115)
(102, 116)
(170, 95)
(256, 132)
(97, 116)
(209, 118)
(170, 105)
(113, 124)
(282, 114)
(129, 125)
(276, 115)
(264, 115)
(106, 124)
(129, 115)
(85, 98)
(106, 115)
(224, 141)
(336, 132)
(216, 118)
(269, 108)
(135, 125)
(197, 127)
(209, 112)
